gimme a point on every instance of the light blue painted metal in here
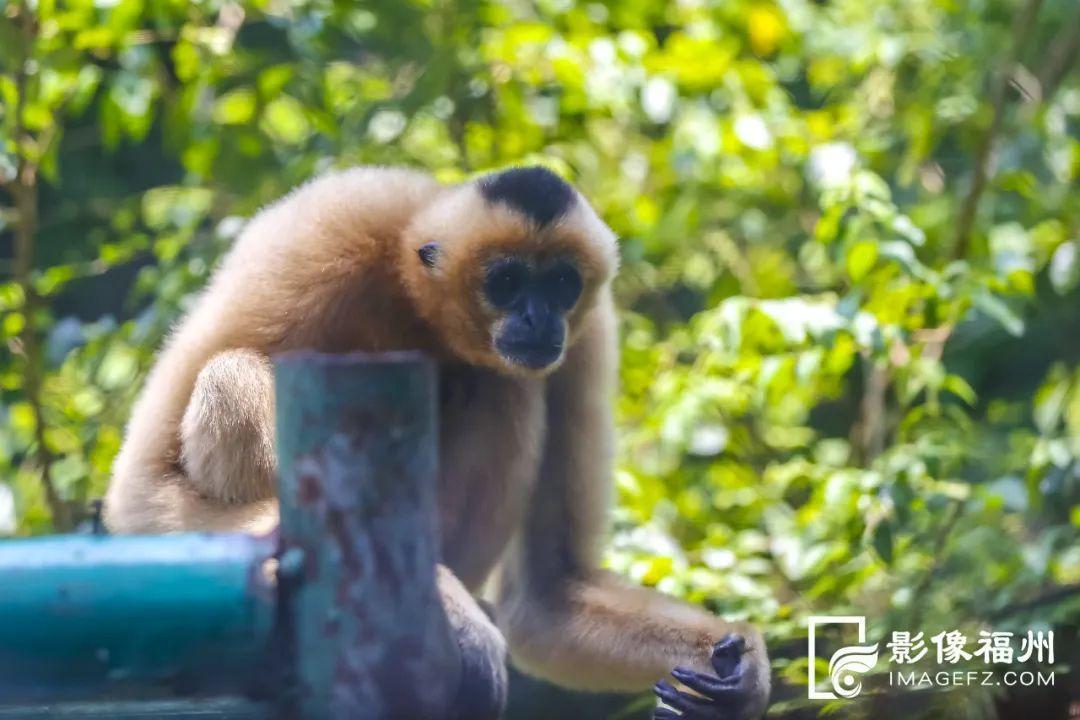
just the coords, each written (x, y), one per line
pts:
(85, 617)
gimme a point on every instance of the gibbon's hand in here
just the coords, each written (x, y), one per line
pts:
(722, 696)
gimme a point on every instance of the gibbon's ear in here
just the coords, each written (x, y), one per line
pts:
(429, 254)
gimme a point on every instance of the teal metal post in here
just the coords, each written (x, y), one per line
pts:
(357, 455)
(336, 616)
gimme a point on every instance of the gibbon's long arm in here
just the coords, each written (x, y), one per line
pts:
(567, 621)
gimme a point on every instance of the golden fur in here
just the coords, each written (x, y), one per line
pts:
(525, 455)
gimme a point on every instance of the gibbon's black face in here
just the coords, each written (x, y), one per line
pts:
(507, 268)
(534, 302)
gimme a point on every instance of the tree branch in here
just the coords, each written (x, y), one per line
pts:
(870, 431)
(24, 190)
(938, 555)
(1062, 55)
(965, 221)
(1048, 598)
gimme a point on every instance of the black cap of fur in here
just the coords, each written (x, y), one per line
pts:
(535, 192)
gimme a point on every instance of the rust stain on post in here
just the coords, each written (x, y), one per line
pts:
(357, 457)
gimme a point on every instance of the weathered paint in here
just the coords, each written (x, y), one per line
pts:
(85, 617)
(357, 457)
(230, 708)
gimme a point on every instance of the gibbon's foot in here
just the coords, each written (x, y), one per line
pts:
(722, 696)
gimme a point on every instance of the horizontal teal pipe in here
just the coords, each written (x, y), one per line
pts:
(89, 617)
(202, 709)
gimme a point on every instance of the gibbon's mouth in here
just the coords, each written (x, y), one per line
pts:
(534, 356)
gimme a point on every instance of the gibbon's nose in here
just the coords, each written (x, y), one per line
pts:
(537, 314)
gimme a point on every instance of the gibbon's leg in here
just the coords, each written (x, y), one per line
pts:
(227, 445)
(482, 692)
(227, 433)
(572, 624)
(225, 478)
(156, 502)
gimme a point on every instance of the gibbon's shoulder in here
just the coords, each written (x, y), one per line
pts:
(338, 209)
(368, 179)
(383, 191)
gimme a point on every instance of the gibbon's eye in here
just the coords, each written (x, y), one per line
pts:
(564, 285)
(504, 282)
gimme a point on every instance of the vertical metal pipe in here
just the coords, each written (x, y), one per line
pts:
(357, 459)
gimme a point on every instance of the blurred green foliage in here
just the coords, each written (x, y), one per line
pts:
(851, 256)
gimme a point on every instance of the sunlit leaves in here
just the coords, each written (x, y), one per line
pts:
(861, 257)
(285, 120)
(175, 207)
(236, 107)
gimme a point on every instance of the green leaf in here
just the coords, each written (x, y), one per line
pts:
(285, 121)
(959, 386)
(996, 308)
(883, 541)
(861, 258)
(235, 108)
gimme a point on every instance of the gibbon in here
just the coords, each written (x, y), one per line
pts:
(505, 282)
